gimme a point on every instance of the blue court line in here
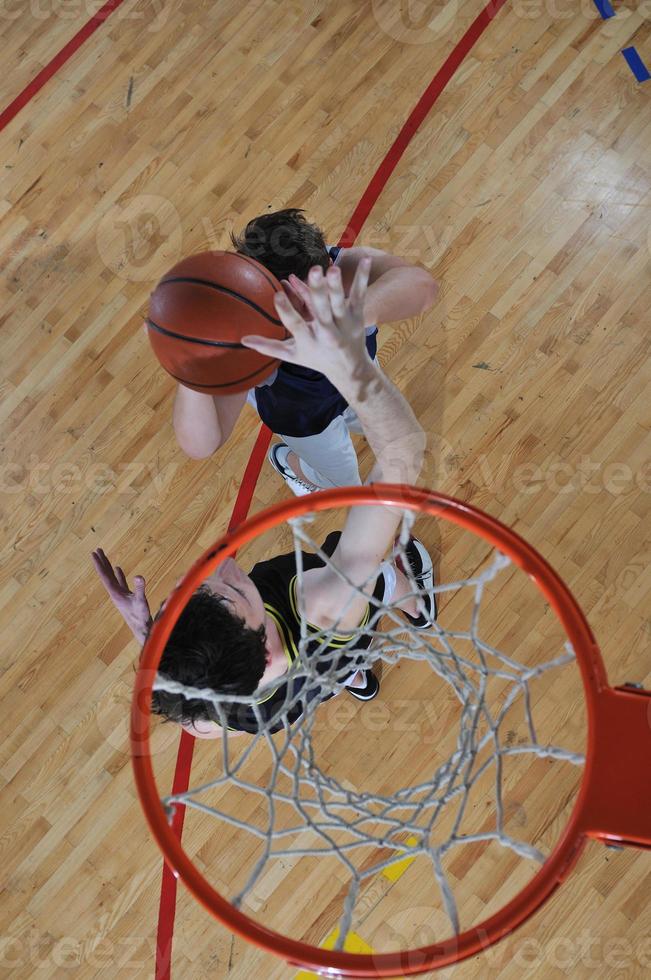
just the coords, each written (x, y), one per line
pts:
(604, 8)
(636, 64)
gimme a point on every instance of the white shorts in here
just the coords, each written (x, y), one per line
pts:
(328, 458)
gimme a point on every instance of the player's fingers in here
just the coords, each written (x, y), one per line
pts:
(293, 322)
(122, 579)
(288, 314)
(319, 295)
(299, 286)
(263, 345)
(301, 305)
(293, 297)
(302, 295)
(105, 573)
(101, 562)
(97, 562)
(301, 289)
(336, 292)
(360, 284)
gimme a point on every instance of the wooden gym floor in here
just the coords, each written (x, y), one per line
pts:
(526, 192)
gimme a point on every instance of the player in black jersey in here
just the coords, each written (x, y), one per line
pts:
(238, 631)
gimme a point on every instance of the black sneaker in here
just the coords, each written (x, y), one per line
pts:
(370, 689)
(422, 571)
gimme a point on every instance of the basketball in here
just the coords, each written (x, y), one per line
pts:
(199, 311)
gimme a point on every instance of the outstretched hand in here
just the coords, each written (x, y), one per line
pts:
(132, 606)
(326, 327)
(295, 291)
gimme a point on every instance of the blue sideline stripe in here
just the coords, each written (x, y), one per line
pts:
(604, 8)
(636, 64)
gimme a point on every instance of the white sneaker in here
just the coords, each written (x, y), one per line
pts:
(421, 565)
(278, 458)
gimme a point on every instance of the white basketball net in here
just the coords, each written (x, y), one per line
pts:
(343, 820)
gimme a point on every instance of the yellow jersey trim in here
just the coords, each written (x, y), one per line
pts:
(287, 640)
(339, 639)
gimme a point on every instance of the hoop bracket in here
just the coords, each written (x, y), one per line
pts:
(616, 807)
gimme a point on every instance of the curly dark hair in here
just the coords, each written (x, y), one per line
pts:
(209, 647)
(284, 242)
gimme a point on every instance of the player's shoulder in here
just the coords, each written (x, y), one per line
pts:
(273, 577)
(274, 570)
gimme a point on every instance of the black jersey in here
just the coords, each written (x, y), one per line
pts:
(275, 579)
(298, 401)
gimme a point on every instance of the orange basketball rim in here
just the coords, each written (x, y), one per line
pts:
(613, 804)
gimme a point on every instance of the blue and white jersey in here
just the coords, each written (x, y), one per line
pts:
(297, 401)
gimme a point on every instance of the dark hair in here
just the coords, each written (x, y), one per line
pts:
(284, 242)
(209, 647)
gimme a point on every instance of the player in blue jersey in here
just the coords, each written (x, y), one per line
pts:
(300, 404)
(241, 631)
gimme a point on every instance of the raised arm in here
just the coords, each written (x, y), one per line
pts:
(334, 343)
(397, 289)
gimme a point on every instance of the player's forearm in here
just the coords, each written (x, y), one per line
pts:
(398, 294)
(390, 426)
(196, 423)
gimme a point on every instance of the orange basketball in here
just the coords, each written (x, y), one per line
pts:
(198, 312)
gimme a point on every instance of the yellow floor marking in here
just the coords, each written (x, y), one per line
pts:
(395, 871)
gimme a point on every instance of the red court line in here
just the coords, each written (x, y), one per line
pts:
(167, 907)
(418, 114)
(59, 59)
(168, 887)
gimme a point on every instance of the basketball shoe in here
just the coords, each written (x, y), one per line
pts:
(422, 570)
(370, 689)
(278, 458)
